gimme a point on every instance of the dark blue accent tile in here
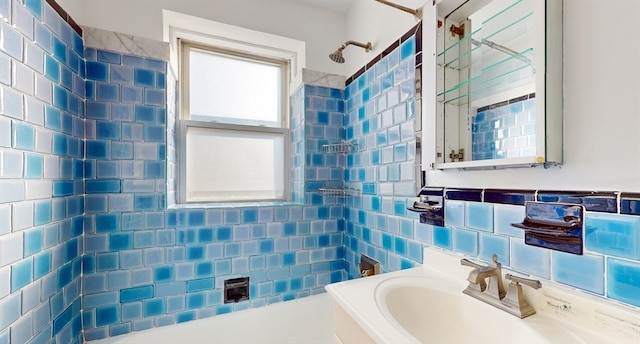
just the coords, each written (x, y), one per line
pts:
(97, 150)
(144, 77)
(464, 194)
(103, 186)
(120, 241)
(97, 71)
(223, 233)
(163, 274)
(591, 200)
(145, 114)
(62, 320)
(517, 197)
(289, 259)
(107, 223)
(108, 315)
(554, 226)
(195, 253)
(630, 203)
(266, 246)
(107, 130)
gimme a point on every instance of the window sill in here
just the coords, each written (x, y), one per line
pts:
(232, 205)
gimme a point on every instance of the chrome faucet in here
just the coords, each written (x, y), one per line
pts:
(479, 275)
(485, 284)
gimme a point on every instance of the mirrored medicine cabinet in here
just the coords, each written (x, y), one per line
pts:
(496, 99)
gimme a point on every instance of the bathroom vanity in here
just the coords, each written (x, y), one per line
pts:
(426, 304)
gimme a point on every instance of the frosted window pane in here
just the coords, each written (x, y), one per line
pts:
(233, 90)
(232, 165)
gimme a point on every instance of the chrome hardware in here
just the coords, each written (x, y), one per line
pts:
(485, 284)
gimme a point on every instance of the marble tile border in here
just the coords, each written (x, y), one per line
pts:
(314, 78)
(125, 44)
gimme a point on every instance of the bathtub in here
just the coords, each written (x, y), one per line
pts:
(304, 320)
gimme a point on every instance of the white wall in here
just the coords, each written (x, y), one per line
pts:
(322, 29)
(370, 21)
(601, 107)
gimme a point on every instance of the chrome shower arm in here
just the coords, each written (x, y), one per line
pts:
(417, 13)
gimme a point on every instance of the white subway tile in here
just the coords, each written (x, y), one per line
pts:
(38, 189)
(10, 248)
(22, 216)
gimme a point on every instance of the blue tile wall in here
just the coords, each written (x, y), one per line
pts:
(42, 143)
(102, 224)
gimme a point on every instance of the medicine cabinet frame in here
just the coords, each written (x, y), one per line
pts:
(547, 63)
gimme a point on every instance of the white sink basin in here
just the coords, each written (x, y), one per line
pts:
(433, 310)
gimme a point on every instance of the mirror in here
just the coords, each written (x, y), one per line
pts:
(497, 97)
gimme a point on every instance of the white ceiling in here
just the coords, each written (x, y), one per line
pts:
(341, 6)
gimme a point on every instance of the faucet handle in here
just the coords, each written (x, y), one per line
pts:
(535, 284)
(467, 262)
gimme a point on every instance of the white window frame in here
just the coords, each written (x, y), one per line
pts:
(179, 26)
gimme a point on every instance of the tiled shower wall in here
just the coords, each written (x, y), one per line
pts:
(146, 265)
(41, 172)
(380, 117)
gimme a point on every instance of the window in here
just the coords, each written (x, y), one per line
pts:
(233, 134)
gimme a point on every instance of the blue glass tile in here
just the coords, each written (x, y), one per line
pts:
(195, 253)
(41, 264)
(622, 282)
(504, 216)
(399, 208)
(154, 97)
(585, 272)
(442, 237)
(222, 267)
(51, 68)
(120, 241)
(479, 216)
(34, 165)
(107, 56)
(97, 71)
(102, 186)
(617, 235)
(400, 246)
(131, 94)
(136, 294)
(97, 110)
(490, 244)
(32, 241)
(530, 259)
(35, 7)
(144, 77)
(107, 315)
(107, 130)
(161, 80)
(408, 48)
(153, 307)
(465, 241)
(145, 114)
(154, 170)
(59, 50)
(155, 64)
(97, 149)
(107, 222)
(107, 92)
(454, 213)
(21, 274)
(163, 274)
(24, 136)
(154, 133)
(142, 202)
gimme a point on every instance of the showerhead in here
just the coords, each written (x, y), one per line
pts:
(337, 55)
